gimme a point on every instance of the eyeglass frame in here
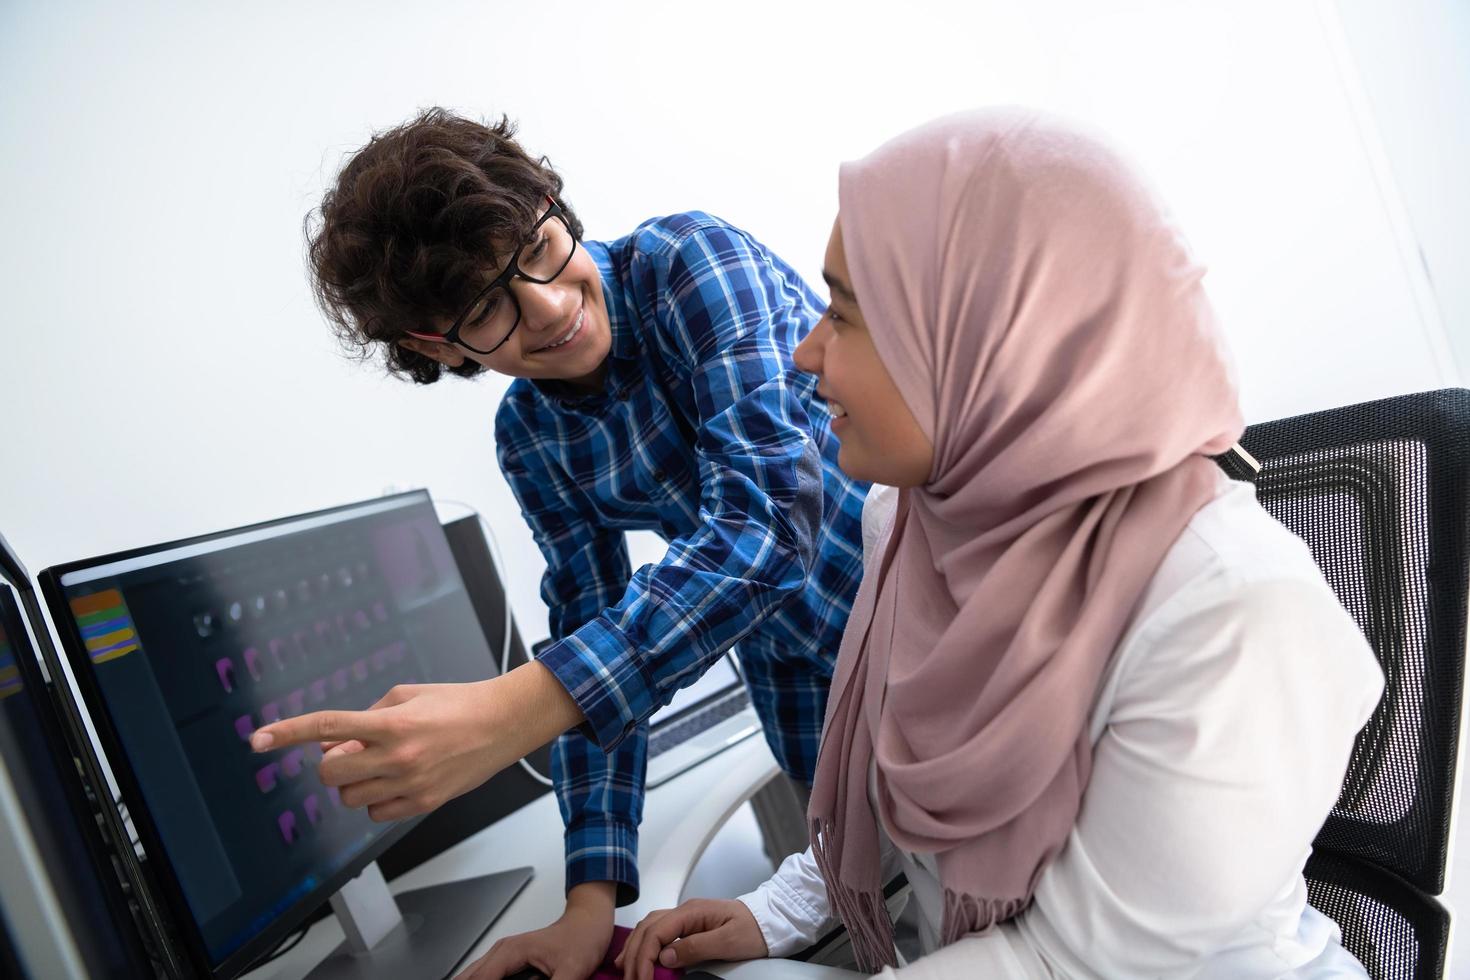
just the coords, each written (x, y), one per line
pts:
(502, 281)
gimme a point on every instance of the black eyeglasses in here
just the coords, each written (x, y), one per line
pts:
(493, 315)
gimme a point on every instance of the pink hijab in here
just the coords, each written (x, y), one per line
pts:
(1045, 322)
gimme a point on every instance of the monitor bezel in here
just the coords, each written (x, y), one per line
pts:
(72, 644)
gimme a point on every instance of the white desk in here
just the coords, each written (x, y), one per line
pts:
(679, 820)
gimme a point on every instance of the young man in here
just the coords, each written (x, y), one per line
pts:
(655, 390)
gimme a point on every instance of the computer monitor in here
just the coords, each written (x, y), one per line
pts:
(62, 906)
(182, 650)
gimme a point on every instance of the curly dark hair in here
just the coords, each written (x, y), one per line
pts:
(410, 227)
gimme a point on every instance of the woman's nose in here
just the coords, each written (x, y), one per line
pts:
(808, 353)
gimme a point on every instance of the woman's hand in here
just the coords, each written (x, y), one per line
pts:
(424, 744)
(699, 930)
(568, 949)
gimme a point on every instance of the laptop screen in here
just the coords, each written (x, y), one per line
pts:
(717, 680)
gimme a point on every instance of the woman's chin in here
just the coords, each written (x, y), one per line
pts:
(857, 464)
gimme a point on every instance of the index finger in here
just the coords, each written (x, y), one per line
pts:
(319, 726)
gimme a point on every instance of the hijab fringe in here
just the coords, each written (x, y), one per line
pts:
(863, 912)
(966, 915)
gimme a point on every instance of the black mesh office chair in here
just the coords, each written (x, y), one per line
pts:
(1379, 492)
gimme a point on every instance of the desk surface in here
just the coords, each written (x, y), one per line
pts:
(680, 818)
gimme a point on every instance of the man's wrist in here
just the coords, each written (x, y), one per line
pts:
(531, 702)
(597, 897)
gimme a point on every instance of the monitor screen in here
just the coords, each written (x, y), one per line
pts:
(59, 834)
(187, 648)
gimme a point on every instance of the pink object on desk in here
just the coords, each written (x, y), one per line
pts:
(609, 972)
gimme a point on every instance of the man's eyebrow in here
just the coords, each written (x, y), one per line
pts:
(839, 287)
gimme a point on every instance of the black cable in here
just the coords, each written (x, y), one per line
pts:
(282, 948)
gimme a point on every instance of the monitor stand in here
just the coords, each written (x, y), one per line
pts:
(421, 933)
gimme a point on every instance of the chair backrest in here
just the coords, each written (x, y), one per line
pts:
(1379, 493)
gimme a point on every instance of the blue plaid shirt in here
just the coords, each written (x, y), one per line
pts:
(706, 434)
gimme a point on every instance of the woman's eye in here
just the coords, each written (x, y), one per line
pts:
(539, 249)
(833, 315)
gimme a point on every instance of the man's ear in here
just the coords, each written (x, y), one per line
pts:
(446, 354)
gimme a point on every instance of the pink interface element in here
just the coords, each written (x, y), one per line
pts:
(244, 727)
(252, 663)
(270, 712)
(225, 670)
(287, 823)
(265, 777)
(318, 689)
(313, 808)
(278, 649)
(295, 701)
(291, 763)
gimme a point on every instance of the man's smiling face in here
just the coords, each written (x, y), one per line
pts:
(563, 333)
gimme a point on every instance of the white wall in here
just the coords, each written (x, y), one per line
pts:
(164, 372)
(1412, 59)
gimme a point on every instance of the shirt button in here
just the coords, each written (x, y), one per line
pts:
(658, 476)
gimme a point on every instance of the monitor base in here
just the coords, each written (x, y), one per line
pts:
(440, 924)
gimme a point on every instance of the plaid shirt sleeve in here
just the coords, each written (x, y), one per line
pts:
(600, 794)
(727, 319)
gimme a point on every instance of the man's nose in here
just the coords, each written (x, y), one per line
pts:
(543, 305)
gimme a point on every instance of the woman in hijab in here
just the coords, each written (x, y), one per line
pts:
(1092, 700)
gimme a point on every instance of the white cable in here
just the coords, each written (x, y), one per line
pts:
(509, 620)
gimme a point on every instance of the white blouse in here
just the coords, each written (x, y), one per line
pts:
(1221, 733)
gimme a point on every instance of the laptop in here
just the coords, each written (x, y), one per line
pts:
(704, 719)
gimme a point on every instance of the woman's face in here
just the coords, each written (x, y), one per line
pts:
(880, 440)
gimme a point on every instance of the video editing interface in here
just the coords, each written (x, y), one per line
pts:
(196, 646)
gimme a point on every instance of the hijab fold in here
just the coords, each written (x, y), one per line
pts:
(1047, 327)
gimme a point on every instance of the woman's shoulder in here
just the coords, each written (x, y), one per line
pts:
(1233, 549)
(1239, 604)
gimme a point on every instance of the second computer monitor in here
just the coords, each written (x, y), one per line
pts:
(183, 650)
